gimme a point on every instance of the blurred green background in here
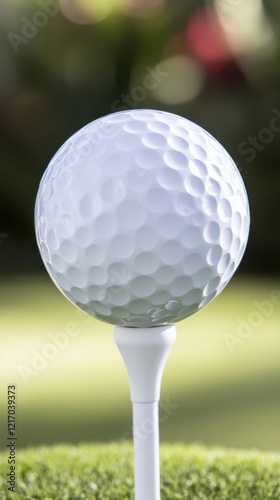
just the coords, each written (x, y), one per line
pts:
(65, 63)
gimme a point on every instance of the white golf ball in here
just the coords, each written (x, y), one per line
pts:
(141, 218)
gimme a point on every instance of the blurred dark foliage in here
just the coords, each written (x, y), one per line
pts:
(65, 74)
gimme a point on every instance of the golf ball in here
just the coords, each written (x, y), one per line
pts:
(141, 218)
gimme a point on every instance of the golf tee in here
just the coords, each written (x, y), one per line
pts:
(145, 351)
(146, 451)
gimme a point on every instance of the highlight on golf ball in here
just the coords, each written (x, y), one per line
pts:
(141, 218)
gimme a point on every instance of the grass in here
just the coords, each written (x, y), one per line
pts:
(105, 472)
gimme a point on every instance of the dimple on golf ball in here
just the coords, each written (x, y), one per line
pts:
(141, 218)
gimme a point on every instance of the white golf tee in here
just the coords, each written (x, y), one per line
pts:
(145, 351)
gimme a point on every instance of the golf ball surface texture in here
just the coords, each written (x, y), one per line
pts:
(141, 218)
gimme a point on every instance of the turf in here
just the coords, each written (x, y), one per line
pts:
(105, 472)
